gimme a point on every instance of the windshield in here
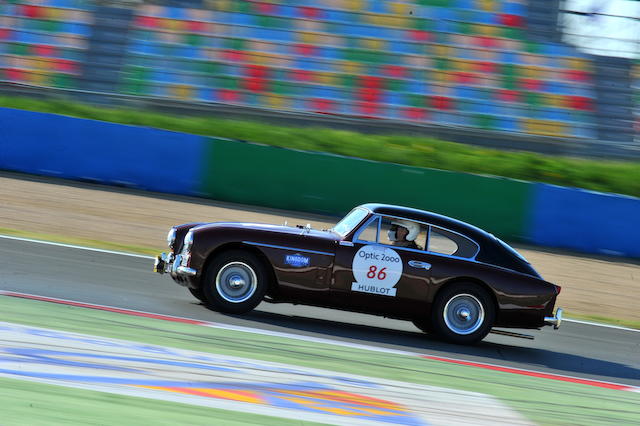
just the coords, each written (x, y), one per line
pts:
(350, 221)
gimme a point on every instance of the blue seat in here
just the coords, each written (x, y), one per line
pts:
(287, 11)
(513, 8)
(204, 94)
(508, 57)
(418, 87)
(304, 64)
(337, 15)
(174, 13)
(464, 4)
(241, 18)
(510, 124)
(185, 51)
(394, 98)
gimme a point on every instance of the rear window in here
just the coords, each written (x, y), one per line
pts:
(450, 243)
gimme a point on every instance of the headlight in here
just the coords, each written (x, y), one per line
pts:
(188, 242)
(171, 238)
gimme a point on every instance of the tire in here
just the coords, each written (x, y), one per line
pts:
(423, 324)
(198, 294)
(463, 313)
(235, 282)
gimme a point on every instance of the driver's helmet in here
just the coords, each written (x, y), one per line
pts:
(412, 227)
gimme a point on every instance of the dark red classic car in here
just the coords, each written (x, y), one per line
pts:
(447, 276)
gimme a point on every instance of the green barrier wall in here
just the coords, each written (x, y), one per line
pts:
(329, 184)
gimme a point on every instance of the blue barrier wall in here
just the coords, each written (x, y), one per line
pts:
(66, 147)
(586, 221)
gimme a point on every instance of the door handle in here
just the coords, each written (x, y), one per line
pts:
(419, 264)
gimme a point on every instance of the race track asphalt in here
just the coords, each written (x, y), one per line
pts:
(579, 350)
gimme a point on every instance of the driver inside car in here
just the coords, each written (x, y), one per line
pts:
(403, 233)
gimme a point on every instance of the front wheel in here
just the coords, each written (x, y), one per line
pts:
(463, 313)
(198, 294)
(235, 282)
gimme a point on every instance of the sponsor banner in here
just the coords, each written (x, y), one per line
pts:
(233, 383)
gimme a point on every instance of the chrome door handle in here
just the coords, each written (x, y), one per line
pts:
(418, 264)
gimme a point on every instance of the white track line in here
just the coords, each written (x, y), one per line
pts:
(141, 256)
(598, 324)
(122, 253)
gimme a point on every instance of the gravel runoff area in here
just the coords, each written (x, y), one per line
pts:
(591, 285)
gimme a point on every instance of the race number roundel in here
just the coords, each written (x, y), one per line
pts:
(377, 270)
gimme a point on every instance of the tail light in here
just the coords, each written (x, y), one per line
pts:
(558, 289)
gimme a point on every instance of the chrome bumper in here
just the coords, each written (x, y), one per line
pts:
(556, 320)
(168, 263)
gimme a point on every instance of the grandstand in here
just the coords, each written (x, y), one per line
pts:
(465, 64)
(44, 43)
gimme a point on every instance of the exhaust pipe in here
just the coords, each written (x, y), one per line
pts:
(556, 320)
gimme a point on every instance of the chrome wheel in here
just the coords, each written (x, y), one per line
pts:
(236, 282)
(463, 314)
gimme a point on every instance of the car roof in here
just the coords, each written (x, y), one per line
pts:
(433, 218)
(491, 250)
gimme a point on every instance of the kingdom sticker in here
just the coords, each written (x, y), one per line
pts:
(297, 260)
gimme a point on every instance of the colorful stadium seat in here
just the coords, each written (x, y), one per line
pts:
(464, 63)
(453, 62)
(43, 42)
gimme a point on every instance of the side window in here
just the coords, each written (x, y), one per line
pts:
(412, 235)
(370, 233)
(447, 242)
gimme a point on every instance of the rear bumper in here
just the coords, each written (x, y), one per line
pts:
(555, 320)
(173, 265)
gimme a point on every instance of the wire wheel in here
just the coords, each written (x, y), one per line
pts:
(463, 314)
(236, 282)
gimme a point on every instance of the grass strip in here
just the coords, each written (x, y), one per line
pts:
(541, 400)
(39, 404)
(607, 176)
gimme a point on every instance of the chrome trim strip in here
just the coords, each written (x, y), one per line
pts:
(183, 270)
(419, 264)
(288, 248)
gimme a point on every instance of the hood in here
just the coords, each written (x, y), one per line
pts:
(269, 228)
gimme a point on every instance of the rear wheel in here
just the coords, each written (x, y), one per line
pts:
(235, 282)
(463, 313)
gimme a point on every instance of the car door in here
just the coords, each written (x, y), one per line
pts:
(371, 275)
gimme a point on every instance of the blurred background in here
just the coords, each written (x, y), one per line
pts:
(550, 76)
